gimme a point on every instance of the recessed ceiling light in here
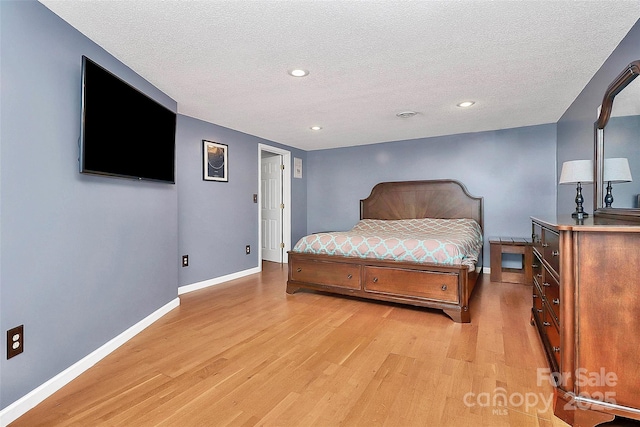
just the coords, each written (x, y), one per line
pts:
(406, 114)
(298, 73)
(466, 104)
(315, 127)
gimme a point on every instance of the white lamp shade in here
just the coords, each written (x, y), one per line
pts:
(575, 171)
(617, 170)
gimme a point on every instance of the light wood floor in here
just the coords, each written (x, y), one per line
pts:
(245, 353)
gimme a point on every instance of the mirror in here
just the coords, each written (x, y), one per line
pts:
(617, 137)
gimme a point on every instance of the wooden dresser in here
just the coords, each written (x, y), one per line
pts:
(586, 303)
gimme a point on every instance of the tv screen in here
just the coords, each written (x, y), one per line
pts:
(124, 132)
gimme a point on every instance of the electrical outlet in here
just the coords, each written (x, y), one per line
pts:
(185, 260)
(15, 341)
(248, 249)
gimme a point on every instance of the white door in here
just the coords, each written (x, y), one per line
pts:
(271, 208)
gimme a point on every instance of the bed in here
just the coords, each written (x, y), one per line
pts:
(320, 261)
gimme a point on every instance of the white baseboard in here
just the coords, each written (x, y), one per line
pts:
(34, 397)
(216, 281)
(486, 270)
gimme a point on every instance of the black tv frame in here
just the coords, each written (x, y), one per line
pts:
(125, 150)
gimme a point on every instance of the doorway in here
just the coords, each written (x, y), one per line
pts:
(274, 199)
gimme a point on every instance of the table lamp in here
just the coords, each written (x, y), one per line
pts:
(577, 172)
(616, 170)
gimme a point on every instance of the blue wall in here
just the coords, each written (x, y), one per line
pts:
(575, 127)
(217, 219)
(83, 257)
(513, 169)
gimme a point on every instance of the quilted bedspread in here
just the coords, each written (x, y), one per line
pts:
(441, 241)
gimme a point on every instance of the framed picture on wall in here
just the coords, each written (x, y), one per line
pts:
(215, 161)
(297, 167)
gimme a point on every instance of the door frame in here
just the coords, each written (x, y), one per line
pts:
(286, 199)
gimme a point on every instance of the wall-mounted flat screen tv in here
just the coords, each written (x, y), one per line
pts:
(124, 132)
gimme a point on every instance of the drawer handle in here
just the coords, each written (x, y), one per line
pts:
(539, 275)
(555, 253)
(535, 295)
(539, 310)
(546, 323)
(545, 245)
(299, 270)
(556, 301)
(556, 349)
(546, 284)
(535, 266)
(349, 276)
(375, 280)
(444, 287)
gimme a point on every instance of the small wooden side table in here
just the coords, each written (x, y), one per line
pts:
(511, 245)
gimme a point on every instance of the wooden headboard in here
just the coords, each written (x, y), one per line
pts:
(443, 198)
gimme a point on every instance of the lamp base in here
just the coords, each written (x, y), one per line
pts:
(608, 199)
(579, 213)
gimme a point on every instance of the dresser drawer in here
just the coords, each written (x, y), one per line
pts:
(551, 244)
(538, 301)
(553, 335)
(551, 290)
(536, 237)
(326, 273)
(536, 270)
(412, 283)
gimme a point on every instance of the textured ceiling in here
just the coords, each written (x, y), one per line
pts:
(226, 62)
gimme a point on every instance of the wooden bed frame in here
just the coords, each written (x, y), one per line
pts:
(444, 287)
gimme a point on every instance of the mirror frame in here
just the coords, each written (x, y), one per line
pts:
(627, 76)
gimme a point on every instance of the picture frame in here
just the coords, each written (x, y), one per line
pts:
(215, 161)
